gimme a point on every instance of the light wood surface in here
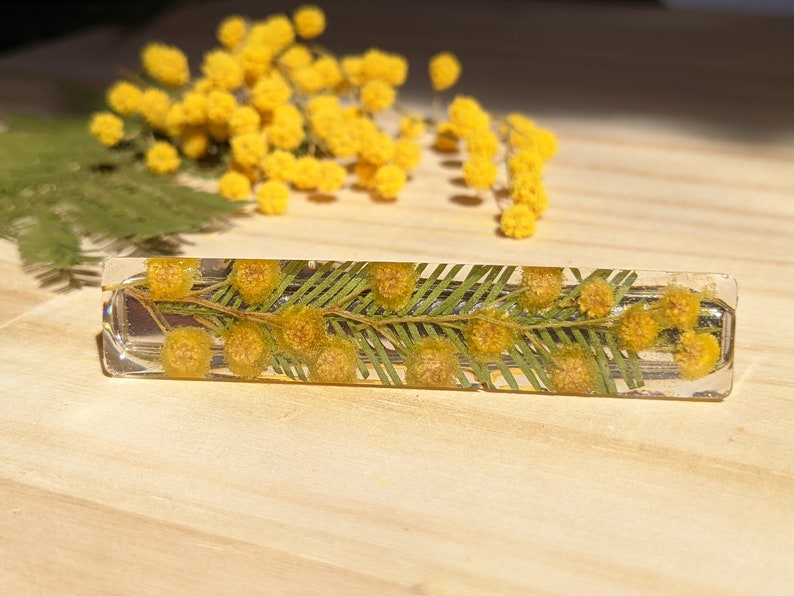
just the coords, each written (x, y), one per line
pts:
(112, 486)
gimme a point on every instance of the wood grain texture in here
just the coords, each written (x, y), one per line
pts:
(116, 486)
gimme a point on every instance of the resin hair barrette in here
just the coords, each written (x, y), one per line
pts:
(489, 327)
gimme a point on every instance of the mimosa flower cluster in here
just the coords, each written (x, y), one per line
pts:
(527, 328)
(276, 113)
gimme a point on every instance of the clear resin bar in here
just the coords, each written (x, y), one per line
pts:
(488, 327)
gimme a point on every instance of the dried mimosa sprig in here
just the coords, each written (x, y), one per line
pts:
(406, 323)
(271, 112)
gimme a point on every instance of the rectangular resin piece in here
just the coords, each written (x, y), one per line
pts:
(489, 327)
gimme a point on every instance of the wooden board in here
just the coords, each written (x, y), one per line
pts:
(143, 487)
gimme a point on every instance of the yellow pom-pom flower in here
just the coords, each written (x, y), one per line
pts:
(412, 127)
(545, 142)
(153, 106)
(270, 91)
(363, 124)
(541, 201)
(542, 287)
(353, 69)
(107, 128)
(286, 130)
(524, 185)
(524, 160)
(376, 146)
(377, 95)
(479, 173)
(353, 113)
(234, 185)
(248, 149)
(255, 279)
(244, 120)
(678, 307)
(342, 139)
(331, 176)
(482, 144)
(336, 362)
(517, 221)
(365, 172)
(488, 337)
(279, 165)
(175, 120)
(432, 362)
(124, 97)
(446, 139)
(307, 173)
(388, 181)
(444, 70)
(166, 64)
(329, 71)
(397, 70)
(518, 129)
(527, 189)
(637, 329)
(301, 331)
(203, 85)
(246, 350)
(220, 107)
(276, 31)
(231, 32)
(295, 57)
(325, 113)
(194, 106)
(195, 143)
(596, 299)
(309, 21)
(218, 131)
(322, 104)
(187, 353)
(223, 69)
(162, 158)
(573, 370)
(272, 197)
(392, 284)
(307, 80)
(255, 60)
(171, 278)
(467, 117)
(696, 354)
(538, 140)
(375, 65)
(407, 154)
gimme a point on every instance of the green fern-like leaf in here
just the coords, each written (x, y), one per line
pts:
(61, 191)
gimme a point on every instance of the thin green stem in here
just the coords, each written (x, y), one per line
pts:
(149, 303)
(455, 321)
(435, 106)
(212, 288)
(263, 317)
(569, 324)
(157, 316)
(377, 322)
(123, 286)
(350, 297)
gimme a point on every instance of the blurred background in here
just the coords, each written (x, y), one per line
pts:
(25, 23)
(723, 66)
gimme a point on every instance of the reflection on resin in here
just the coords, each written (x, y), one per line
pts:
(491, 327)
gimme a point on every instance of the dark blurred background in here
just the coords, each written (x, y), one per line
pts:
(730, 69)
(24, 23)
